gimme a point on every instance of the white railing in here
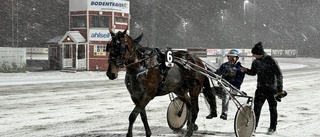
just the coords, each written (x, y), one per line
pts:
(67, 63)
(82, 63)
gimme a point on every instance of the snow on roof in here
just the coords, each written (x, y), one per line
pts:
(54, 40)
(75, 36)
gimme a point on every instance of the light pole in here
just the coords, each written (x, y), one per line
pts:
(244, 11)
(245, 4)
(222, 12)
(184, 25)
(254, 22)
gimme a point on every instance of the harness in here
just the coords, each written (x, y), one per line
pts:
(151, 58)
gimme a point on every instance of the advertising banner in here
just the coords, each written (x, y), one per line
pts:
(277, 52)
(109, 5)
(99, 35)
(100, 50)
(99, 5)
(290, 53)
(214, 52)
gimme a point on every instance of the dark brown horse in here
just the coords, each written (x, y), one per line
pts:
(147, 77)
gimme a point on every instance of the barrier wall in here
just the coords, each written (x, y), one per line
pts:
(219, 56)
(12, 59)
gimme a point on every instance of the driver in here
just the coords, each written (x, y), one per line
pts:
(231, 72)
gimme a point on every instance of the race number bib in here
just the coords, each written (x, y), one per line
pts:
(169, 58)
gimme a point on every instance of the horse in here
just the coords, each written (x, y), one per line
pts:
(147, 77)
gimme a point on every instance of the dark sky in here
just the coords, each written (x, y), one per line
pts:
(279, 24)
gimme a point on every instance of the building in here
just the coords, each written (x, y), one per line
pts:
(84, 46)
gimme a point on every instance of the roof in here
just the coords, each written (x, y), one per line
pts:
(75, 36)
(54, 40)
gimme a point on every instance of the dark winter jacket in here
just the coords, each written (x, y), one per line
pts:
(269, 73)
(232, 73)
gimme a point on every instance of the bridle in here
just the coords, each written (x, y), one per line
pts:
(120, 62)
(114, 51)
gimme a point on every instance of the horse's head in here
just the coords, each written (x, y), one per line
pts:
(121, 48)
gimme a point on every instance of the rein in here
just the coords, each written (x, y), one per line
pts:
(139, 61)
(143, 59)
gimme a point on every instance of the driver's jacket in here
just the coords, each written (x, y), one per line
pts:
(232, 73)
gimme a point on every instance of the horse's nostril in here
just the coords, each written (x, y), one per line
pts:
(111, 76)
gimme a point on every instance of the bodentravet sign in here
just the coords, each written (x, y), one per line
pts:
(99, 5)
(109, 5)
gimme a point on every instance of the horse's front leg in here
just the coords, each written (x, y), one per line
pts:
(139, 109)
(144, 119)
(132, 119)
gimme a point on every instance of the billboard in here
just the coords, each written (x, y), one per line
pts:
(284, 53)
(99, 5)
(109, 5)
(99, 35)
(214, 52)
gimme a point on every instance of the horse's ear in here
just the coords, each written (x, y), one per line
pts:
(125, 31)
(112, 33)
(138, 39)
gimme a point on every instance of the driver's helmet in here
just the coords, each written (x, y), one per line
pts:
(233, 52)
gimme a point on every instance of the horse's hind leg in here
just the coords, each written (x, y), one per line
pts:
(193, 114)
(192, 105)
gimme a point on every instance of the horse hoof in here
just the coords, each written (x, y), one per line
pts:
(188, 135)
(195, 128)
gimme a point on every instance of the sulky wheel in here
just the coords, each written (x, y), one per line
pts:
(177, 114)
(244, 122)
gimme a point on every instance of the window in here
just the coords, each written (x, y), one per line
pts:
(53, 51)
(78, 21)
(121, 20)
(67, 52)
(100, 21)
(81, 52)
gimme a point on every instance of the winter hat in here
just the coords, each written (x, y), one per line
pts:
(258, 49)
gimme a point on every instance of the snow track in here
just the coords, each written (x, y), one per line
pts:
(87, 104)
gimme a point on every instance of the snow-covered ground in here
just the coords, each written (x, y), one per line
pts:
(81, 104)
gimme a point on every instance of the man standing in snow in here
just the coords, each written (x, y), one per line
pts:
(269, 83)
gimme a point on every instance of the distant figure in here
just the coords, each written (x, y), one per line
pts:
(269, 83)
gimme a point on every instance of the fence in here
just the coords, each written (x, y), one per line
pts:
(12, 59)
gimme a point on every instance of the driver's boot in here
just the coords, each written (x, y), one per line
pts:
(211, 99)
(212, 114)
